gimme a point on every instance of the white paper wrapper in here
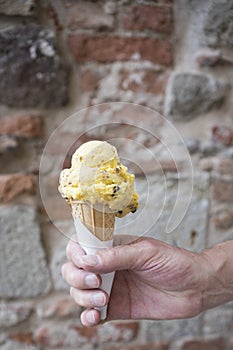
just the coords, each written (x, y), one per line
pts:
(91, 245)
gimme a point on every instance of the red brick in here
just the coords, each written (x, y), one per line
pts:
(58, 307)
(12, 185)
(213, 344)
(68, 334)
(224, 220)
(155, 82)
(89, 80)
(86, 15)
(223, 190)
(115, 48)
(147, 17)
(151, 81)
(21, 125)
(149, 346)
(22, 338)
(223, 134)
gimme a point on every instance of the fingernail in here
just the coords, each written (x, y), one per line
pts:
(91, 281)
(91, 260)
(90, 317)
(99, 299)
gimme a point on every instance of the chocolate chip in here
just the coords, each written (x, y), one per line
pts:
(117, 170)
(132, 208)
(116, 189)
(120, 212)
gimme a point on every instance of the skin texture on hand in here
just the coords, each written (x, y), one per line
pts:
(153, 280)
(219, 287)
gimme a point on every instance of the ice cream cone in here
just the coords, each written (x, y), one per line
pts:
(95, 230)
(99, 222)
(98, 187)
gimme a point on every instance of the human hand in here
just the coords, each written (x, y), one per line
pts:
(153, 280)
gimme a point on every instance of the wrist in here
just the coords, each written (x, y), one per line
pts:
(218, 284)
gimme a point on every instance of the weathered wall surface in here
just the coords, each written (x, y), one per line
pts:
(57, 57)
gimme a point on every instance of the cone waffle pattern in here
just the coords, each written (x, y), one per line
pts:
(99, 223)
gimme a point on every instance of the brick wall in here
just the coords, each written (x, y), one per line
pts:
(58, 57)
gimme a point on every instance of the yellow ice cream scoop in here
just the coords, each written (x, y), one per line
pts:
(97, 176)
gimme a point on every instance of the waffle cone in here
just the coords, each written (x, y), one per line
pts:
(99, 223)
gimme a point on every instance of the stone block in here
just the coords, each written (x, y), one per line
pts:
(213, 59)
(217, 24)
(157, 203)
(192, 144)
(13, 313)
(57, 247)
(191, 94)
(17, 8)
(192, 343)
(208, 148)
(148, 346)
(173, 329)
(7, 144)
(23, 266)
(12, 345)
(218, 321)
(31, 72)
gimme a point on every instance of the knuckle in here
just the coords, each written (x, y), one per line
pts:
(77, 296)
(82, 298)
(68, 273)
(114, 253)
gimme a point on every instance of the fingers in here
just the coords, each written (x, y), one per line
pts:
(78, 278)
(89, 298)
(73, 251)
(90, 317)
(84, 285)
(112, 259)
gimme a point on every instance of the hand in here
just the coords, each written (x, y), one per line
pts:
(153, 280)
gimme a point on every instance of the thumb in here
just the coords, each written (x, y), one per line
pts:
(113, 259)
